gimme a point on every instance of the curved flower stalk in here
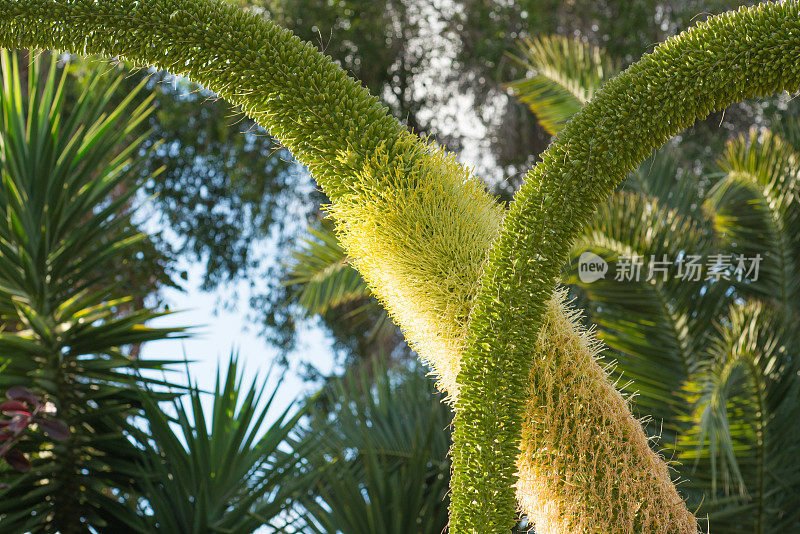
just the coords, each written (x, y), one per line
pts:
(738, 55)
(375, 172)
(418, 223)
(420, 226)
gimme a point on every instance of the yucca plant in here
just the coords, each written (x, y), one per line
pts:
(473, 290)
(65, 228)
(219, 471)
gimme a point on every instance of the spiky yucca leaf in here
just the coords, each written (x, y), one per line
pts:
(62, 236)
(220, 471)
(563, 75)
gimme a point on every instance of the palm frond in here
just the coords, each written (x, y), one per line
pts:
(656, 324)
(324, 276)
(755, 210)
(327, 283)
(663, 177)
(741, 449)
(563, 74)
(722, 394)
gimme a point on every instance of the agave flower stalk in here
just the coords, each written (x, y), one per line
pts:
(470, 294)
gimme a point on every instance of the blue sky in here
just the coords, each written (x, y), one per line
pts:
(218, 332)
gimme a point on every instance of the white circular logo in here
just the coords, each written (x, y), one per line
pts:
(591, 267)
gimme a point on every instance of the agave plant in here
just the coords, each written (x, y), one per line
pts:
(667, 336)
(65, 231)
(393, 196)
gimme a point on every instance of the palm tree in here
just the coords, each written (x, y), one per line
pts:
(68, 323)
(379, 455)
(65, 230)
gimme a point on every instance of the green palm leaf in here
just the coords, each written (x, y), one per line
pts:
(741, 450)
(563, 74)
(723, 399)
(324, 276)
(655, 327)
(663, 177)
(755, 207)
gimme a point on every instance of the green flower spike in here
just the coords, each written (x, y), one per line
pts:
(421, 227)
